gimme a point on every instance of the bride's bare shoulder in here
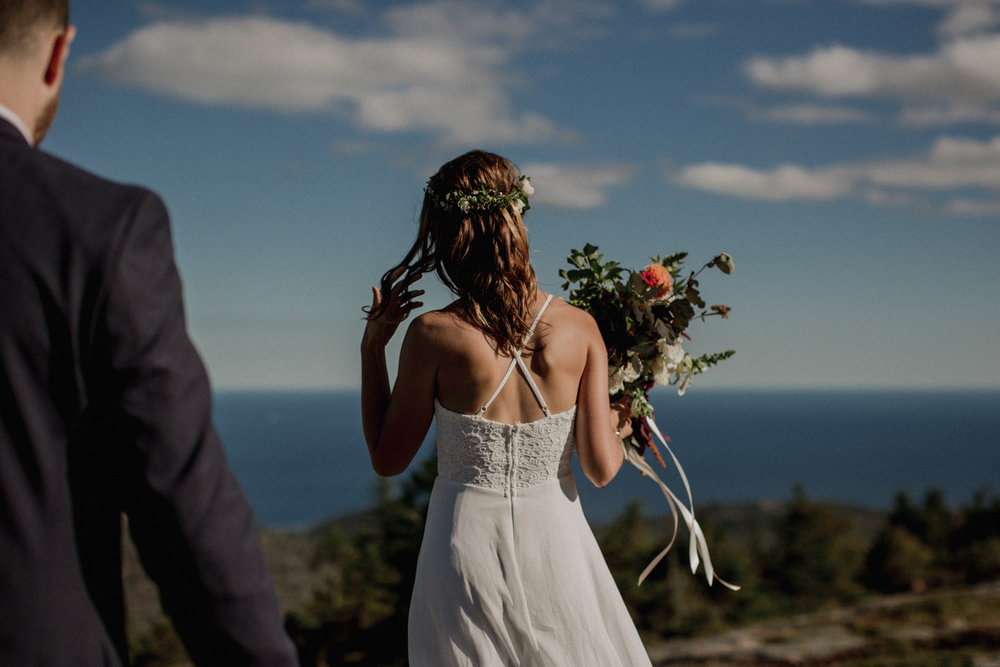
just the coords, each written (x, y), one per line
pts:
(568, 315)
(442, 325)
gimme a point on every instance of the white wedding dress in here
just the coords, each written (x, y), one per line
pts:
(509, 572)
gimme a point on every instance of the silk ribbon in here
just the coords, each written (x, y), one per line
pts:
(698, 547)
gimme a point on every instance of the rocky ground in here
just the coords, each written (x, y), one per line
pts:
(936, 628)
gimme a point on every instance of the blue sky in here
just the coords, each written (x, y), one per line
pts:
(845, 152)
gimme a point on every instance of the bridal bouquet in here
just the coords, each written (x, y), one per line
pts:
(642, 315)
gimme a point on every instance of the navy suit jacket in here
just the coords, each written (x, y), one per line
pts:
(105, 410)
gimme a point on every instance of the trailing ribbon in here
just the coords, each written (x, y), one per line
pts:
(697, 544)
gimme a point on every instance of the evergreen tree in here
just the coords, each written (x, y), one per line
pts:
(816, 558)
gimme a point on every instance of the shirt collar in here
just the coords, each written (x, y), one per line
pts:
(16, 121)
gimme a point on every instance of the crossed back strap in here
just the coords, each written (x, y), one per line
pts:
(519, 362)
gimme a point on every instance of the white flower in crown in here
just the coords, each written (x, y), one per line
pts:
(526, 187)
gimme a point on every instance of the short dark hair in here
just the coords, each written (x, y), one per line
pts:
(19, 18)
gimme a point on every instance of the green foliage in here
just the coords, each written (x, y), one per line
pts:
(809, 557)
(898, 561)
(672, 602)
(931, 545)
(627, 546)
(806, 557)
(981, 560)
(359, 615)
(816, 558)
(594, 275)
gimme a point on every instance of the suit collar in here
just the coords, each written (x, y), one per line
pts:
(10, 132)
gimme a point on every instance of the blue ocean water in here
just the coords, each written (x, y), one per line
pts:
(301, 457)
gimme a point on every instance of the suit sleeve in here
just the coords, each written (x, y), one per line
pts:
(189, 518)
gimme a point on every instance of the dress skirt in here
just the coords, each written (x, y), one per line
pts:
(515, 580)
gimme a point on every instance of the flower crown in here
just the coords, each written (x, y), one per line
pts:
(485, 199)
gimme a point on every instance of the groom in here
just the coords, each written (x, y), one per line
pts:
(104, 405)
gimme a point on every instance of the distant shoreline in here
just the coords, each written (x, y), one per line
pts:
(301, 457)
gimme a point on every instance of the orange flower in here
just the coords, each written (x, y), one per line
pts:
(722, 310)
(657, 276)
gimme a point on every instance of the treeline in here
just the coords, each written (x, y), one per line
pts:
(809, 557)
(806, 557)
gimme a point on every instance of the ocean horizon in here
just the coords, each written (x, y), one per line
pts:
(302, 460)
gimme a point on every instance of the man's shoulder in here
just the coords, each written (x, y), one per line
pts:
(77, 180)
(67, 200)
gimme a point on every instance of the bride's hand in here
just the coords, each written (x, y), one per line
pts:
(621, 417)
(382, 326)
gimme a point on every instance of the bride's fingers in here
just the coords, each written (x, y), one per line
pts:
(397, 273)
(376, 298)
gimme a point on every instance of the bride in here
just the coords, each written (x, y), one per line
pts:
(509, 572)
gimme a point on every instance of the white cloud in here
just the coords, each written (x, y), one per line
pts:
(950, 164)
(961, 70)
(784, 183)
(975, 207)
(812, 114)
(252, 62)
(576, 186)
(970, 18)
(949, 114)
(443, 69)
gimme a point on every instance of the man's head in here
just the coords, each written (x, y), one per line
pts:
(34, 42)
(21, 21)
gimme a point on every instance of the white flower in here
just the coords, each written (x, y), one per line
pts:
(526, 187)
(464, 204)
(630, 373)
(518, 205)
(616, 380)
(661, 372)
(666, 363)
(674, 352)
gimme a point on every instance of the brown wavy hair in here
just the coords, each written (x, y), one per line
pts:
(481, 256)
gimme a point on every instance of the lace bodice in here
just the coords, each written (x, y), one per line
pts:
(503, 457)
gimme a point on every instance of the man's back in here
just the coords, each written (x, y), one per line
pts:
(105, 409)
(46, 608)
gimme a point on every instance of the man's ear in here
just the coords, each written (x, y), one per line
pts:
(58, 54)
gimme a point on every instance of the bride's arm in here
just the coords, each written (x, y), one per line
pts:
(396, 420)
(599, 448)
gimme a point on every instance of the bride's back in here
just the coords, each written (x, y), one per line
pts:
(470, 369)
